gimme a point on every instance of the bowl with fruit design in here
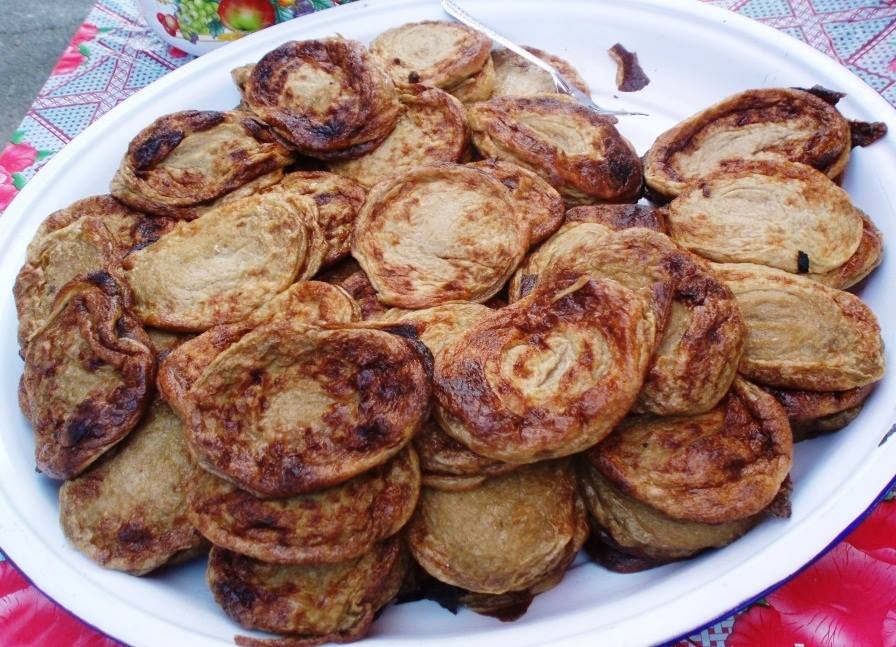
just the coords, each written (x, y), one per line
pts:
(198, 26)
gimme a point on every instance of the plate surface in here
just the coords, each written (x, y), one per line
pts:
(694, 55)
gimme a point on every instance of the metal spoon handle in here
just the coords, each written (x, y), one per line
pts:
(456, 12)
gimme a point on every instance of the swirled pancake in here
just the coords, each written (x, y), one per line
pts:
(327, 97)
(505, 535)
(716, 467)
(549, 375)
(222, 266)
(700, 333)
(801, 334)
(129, 511)
(643, 531)
(434, 53)
(439, 234)
(579, 152)
(88, 375)
(517, 77)
(185, 159)
(310, 302)
(54, 259)
(333, 525)
(431, 129)
(478, 87)
(291, 409)
(532, 198)
(779, 124)
(311, 604)
(779, 214)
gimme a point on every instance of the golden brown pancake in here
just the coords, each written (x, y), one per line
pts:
(505, 535)
(478, 87)
(89, 235)
(716, 467)
(291, 409)
(780, 124)
(88, 375)
(439, 234)
(864, 261)
(816, 412)
(549, 375)
(222, 266)
(84, 246)
(311, 604)
(431, 129)
(579, 152)
(620, 216)
(517, 77)
(641, 530)
(801, 334)
(700, 333)
(333, 525)
(434, 53)
(185, 159)
(310, 302)
(327, 97)
(784, 215)
(129, 511)
(532, 198)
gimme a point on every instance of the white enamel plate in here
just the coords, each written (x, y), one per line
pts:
(694, 55)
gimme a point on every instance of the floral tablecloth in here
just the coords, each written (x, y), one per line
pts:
(846, 599)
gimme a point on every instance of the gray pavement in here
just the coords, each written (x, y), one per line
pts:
(33, 34)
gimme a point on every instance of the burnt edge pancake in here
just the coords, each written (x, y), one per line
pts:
(145, 181)
(354, 123)
(91, 331)
(823, 140)
(610, 170)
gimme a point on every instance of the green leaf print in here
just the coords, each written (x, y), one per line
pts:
(18, 180)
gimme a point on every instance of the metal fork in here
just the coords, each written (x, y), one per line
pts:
(563, 86)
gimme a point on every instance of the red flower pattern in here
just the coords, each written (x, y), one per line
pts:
(29, 618)
(73, 55)
(846, 599)
(14, 158)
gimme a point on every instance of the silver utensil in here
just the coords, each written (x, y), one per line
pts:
(563, 86)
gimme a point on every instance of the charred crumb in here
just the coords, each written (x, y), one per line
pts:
(829, 96)
(630, 77)
(865, 133)
(802, 262)
(413, 77)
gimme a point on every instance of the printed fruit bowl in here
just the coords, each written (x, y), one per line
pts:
(199, 26)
